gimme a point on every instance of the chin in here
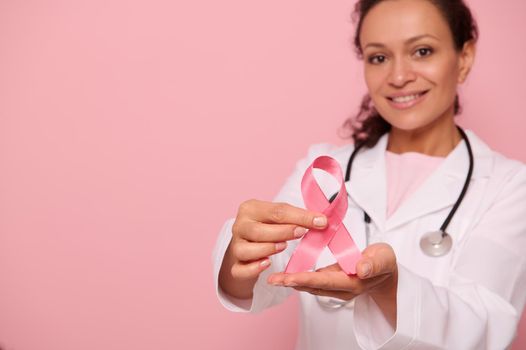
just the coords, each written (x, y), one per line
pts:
(407, 121)
(428, 113)
(409, 125)
(417, 119)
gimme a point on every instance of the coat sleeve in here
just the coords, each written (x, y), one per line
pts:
(481, 306)
(265, 295)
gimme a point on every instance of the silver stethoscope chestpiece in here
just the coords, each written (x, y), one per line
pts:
(436, 243)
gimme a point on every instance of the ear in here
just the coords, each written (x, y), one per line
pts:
(466, 60)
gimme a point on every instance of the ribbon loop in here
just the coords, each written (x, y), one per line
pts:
(334, 235)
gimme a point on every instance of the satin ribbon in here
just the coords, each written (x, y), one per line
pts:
(334, 235)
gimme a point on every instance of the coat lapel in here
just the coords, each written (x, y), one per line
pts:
(368, 187)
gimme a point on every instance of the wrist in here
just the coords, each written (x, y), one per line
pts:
(240, 288)
(384, 295)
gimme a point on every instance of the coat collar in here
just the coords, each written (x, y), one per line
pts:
(368, 187)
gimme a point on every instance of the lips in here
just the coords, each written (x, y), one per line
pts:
(406, 100)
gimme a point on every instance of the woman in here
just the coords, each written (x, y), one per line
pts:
(407, 177)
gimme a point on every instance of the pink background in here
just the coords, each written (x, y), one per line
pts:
(130, 130)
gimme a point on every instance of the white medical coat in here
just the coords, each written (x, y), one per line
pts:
(471, 298)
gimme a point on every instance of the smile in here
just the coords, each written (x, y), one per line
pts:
(406, 101)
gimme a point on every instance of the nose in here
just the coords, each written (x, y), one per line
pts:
(401, 73)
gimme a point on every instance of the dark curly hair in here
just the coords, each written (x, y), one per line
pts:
(367, 126)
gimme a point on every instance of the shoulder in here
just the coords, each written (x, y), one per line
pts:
(509, 171)
(505, 177)
(495, 165)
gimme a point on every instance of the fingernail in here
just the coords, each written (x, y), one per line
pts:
(320, 221)
(280, 246)
(299, 231)
(291, 284)
(366, 269)
(264, 263)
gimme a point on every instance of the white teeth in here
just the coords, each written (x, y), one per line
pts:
(403, 99)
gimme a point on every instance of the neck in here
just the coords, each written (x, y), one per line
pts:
(436, 139)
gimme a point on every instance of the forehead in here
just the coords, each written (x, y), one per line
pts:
(395, 21)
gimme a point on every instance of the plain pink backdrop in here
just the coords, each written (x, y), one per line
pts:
(131, 130)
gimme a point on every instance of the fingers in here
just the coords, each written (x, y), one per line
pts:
(327, 281)
(241, 270)
(332, 280)
(260, 221)
(282, 213)
(247, 251)
(377, 259)
(377, 270)
(344, 296)
(260, 232)
(261, 229)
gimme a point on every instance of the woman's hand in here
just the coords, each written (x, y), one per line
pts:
(260, 230)
(377, 274)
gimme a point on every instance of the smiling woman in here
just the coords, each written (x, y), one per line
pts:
(415, 171)
(412, 73)
(409, 68)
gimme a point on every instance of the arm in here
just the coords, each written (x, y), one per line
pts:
(482, 303)
(241, 279)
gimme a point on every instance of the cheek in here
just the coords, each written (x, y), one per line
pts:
(374, 80)
(443, 75)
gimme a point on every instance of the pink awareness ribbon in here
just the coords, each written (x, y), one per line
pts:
(334, 235)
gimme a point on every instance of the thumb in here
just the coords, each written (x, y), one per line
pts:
(377, 259)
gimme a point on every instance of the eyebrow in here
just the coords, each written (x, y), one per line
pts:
(408, 41)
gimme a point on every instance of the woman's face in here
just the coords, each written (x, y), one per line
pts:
(411, 66)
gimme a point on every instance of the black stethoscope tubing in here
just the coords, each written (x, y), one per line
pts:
(431, 244)
(367, 218)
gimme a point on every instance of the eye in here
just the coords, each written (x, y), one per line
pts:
(376, 59)
(423, 52)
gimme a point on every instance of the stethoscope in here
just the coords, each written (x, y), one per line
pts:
(434, 243)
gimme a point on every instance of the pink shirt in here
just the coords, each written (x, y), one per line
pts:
(405, 173)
